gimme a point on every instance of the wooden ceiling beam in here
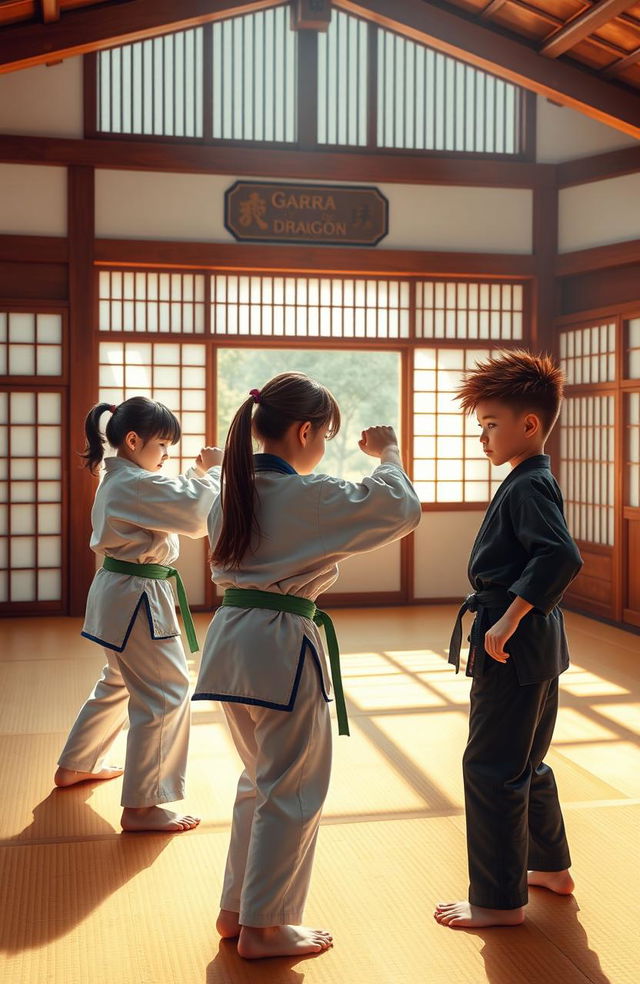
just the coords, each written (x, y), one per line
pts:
(557, 22)
(188, 158)
(582, 26)
(515, 61)
(50, 10)
(92, 28)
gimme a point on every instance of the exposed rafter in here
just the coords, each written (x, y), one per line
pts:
(492, 8)
(619, 66)
(106, 25)
(555, 23)
(583, 25)
(517, 62)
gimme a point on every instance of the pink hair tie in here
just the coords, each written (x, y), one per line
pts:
(112, 408)
(256, 395)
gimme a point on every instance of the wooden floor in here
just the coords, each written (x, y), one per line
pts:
(84, 904)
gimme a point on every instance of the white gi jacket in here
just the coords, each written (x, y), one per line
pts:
(308, 524)
(136, 517)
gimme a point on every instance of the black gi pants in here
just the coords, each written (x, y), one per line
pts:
(514, 821)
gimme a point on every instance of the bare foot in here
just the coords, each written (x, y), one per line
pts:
(228, 924)
(69, 777)
(282, 941)
(559, 882)
(136, 819)
(463, 914)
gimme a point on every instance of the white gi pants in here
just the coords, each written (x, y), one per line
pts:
(287, 759)
(150, 681)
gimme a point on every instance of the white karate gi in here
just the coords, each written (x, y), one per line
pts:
(269, 669)
(136, 517)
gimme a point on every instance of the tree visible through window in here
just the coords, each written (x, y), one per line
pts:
(366, 385)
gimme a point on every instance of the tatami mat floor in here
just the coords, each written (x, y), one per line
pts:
(84, 904)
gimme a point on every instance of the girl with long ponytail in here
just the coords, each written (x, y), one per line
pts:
(277, 533)
(136, 516)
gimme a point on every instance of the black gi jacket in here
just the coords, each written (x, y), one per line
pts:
(524, 548)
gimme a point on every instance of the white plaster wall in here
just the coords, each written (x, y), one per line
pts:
(378, 570)
(146, 205)
(599, 213)
(44, 102)
(564, 134)
(475, 220)
(442, 546)
(33, 200)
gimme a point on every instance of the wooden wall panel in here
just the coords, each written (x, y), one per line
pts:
(592, 590)
(600, 288)
(33, 281)
(632, 600)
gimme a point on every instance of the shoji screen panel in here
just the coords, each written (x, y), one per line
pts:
(32, 500)
(469, 310)
(588, 356)
(173, 374)
(430, 101)
(449, 463)
(587, 471)
(31, 344)
(310, 307)
(151, 302)
(33, 473)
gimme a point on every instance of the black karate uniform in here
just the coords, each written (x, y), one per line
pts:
(513, 815)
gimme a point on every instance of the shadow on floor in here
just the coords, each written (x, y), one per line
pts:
(54, 884)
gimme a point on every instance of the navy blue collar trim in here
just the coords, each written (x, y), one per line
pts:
(271, 462)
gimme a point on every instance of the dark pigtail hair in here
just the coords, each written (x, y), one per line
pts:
(140, 414)
(286, 399)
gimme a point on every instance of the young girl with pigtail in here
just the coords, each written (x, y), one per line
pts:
(277, 533)
(136, 516)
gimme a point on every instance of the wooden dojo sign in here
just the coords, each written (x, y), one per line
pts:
(336, 215)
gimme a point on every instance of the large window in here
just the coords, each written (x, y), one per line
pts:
(391, 348)
(366, 385)
(251, 78)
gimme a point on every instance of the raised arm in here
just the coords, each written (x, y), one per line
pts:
(358, 516)
(180, 505)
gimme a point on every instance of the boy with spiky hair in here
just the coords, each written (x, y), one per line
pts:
(521, 564)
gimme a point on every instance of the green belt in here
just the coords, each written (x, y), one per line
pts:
(159, 572)
(246, 598)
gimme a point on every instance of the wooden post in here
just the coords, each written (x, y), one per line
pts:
(544, 299)
(83, 386)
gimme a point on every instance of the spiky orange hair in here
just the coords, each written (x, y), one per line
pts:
(519, 379)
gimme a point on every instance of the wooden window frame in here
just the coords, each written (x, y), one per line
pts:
(307, 113)
(404, 346)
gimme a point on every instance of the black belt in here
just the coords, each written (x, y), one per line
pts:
(496, 597)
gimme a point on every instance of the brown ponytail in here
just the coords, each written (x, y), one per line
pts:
(286, 399)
